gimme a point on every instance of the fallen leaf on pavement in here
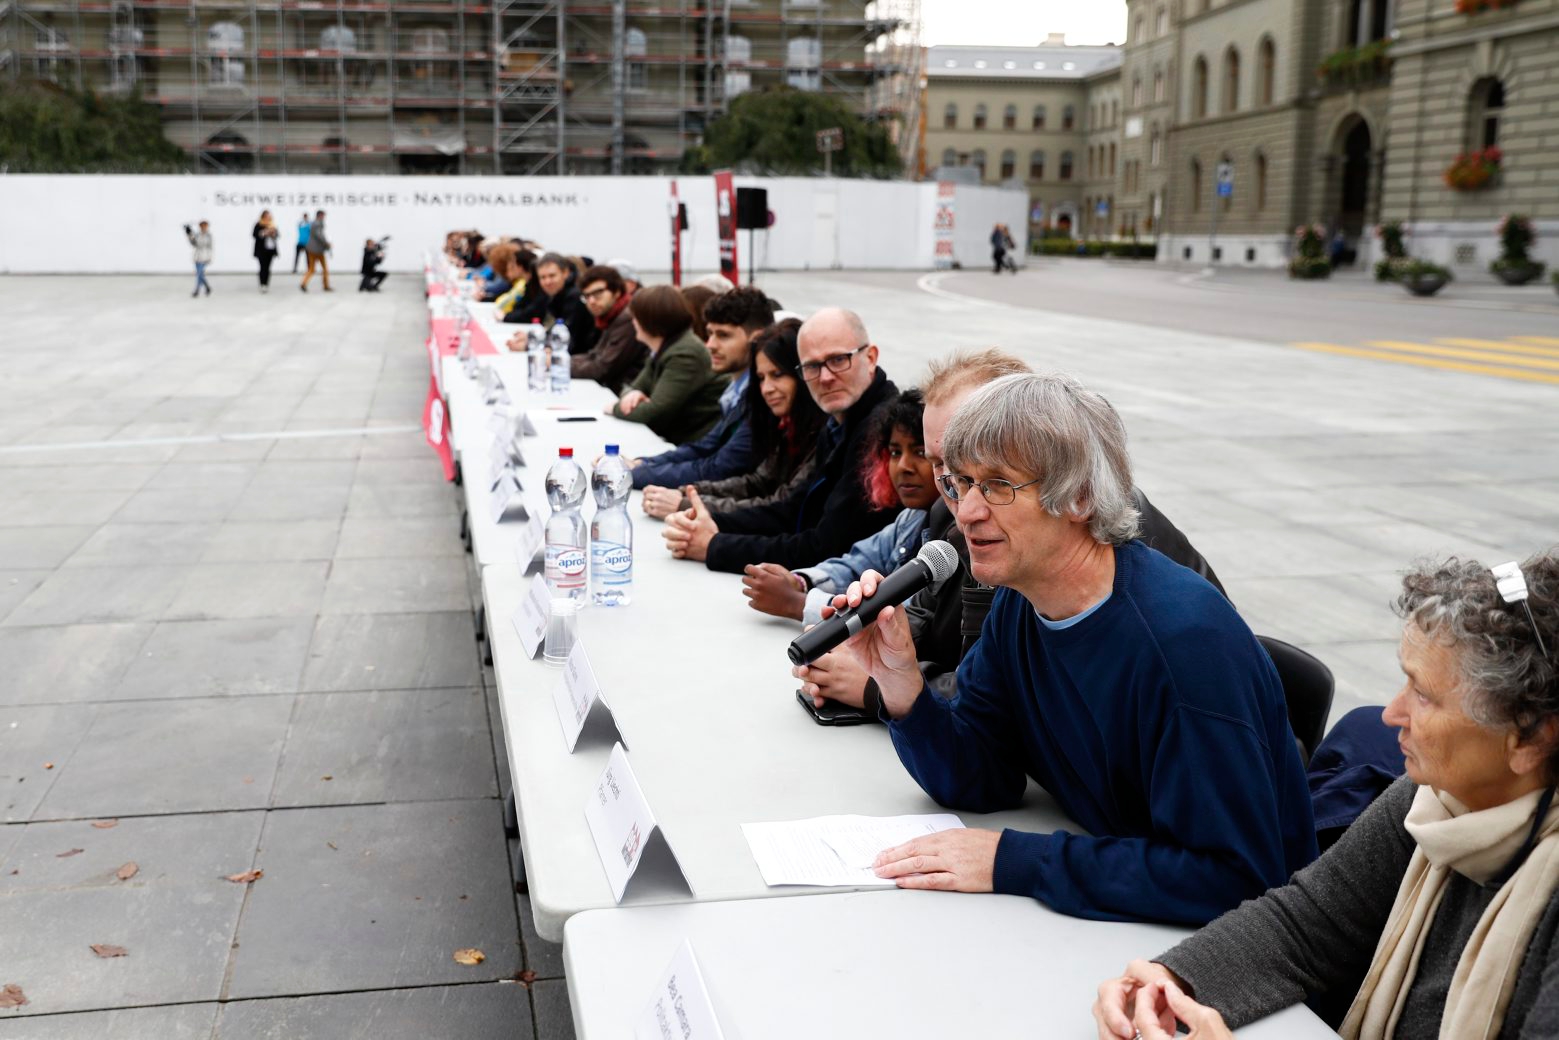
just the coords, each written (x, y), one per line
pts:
(246, 877)
(526, 977)
(103, 825)
(331, 844)
(12, 996)
(48, 765)
(72, 852)
(327, 776)
(469, 956)
(105, 950)
(128, 871)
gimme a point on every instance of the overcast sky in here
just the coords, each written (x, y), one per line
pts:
(1023, 23)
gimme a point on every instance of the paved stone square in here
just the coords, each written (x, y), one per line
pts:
(236, 617)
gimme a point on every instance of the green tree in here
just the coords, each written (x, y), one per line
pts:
(774, 132)
(49, 129)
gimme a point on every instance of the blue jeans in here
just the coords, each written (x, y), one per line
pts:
(200, 277)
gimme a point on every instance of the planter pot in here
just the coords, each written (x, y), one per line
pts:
(1424, 284)
(1513, 274)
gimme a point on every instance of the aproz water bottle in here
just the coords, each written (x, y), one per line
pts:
(536, 348)
(611, 532)
(558, 339)
(565, 530)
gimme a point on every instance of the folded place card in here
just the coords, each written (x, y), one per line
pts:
(580, 702)
(530, 620)
(507, 502)
(527, 428)
(681, 1008)
(527, 548)
(625, 832)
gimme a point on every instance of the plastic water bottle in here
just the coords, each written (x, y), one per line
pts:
(558, 339)
(565, 530)
(536, 350)
(611, 532)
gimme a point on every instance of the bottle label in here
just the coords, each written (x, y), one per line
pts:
(613, 563)
(565, 566)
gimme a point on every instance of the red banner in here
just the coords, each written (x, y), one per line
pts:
(725, 212)
(676, 236)
(435, 427)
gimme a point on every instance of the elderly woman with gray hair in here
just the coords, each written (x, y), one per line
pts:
(1124, 683)
(1435, 914)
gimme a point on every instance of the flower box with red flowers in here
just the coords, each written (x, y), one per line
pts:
(1479, 6)
(1474, 171)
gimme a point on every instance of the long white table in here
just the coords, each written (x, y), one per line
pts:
(889, 964)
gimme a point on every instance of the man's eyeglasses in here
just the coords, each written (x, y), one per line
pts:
(591, 294)
(810, 370)
(997, 492)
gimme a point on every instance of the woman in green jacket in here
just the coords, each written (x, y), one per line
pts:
(678, 394)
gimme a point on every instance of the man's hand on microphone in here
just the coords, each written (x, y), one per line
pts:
(689, 532)
(885, 650)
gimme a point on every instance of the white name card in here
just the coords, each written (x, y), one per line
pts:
(527, 428)
(681, 1008)
(624, 828)
(506, 500)
(580, 701)
(530, 621)
(527, 548)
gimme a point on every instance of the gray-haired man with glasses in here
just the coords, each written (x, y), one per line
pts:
(823, 519)
(1120, 681)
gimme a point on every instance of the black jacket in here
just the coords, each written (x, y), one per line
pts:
(531, 305)
(570, 309)
(946, 620)
(821, 520)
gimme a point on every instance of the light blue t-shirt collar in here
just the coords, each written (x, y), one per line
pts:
(1056, 626)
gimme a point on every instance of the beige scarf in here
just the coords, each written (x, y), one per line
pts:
(1477, 845)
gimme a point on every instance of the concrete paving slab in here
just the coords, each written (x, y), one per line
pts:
(82, 595)
(129, 544)
(398, 536)
(66, 663)
(36, 744)
(203, 475)
(341, 447)
(16, 586)
(400, 471)
(176, 1022)
(388, 746)
(293, 473)
(126, 477)
(377, 896)
(150, 757)
(250, 590)
(45, 508)
(210, 503)
(24, 548)
(409, 585)
(491, 1011)
(267, 540)
(287, 503)
(392, 652)
(250, 449)
(554, 1016)
(372, 500)
(221, 657)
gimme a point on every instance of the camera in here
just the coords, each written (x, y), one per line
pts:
(188, 230)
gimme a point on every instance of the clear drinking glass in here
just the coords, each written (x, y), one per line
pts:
(561, 631)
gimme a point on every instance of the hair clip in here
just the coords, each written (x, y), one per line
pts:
(1512, 586)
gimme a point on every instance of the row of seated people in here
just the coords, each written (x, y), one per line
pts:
(1402, 882)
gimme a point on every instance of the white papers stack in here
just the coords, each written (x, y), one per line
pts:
(834, 851)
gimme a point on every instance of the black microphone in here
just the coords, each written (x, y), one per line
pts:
(936, 563)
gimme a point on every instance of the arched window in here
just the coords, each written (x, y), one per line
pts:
(1267, 73)
(1261, 182)
(950, 117)
(803, 59)
(1196, 186)
(1158, 86)
(1037, 165)
(1156, 147)
(1231, 80)
(1199, 88)
(977, 160)
(1136, 92)
(1137, 30)
(1112, 160)
(1368, 21)
(1039, 117)
(636, 45)
(224, 40)
(1066, 166)
(979, 117)
(1069, 118)
(1009, 117)
(1009, 164)
(1161, 20)
(949, 157)
(1486, 108)
(1115, 112)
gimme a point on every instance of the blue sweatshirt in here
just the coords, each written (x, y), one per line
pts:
(1157, 723)
(725, 451)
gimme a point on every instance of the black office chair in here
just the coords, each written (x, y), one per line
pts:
(1307, 688)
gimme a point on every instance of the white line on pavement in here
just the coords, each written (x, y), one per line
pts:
(213, 438)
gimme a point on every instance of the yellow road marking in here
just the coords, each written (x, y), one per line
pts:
(1503, 345)
(1429, 362)
(1451, 352)
(1547, 341)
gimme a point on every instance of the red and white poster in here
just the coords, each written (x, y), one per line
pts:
(725, 212)
(946, 223)
(435, 427)
(676, 236)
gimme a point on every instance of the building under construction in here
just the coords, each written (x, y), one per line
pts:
(461, 86)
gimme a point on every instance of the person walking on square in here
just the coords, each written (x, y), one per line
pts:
(303, 241)
(999, 242)
(318, 245)
(201, 240)
(265, 235)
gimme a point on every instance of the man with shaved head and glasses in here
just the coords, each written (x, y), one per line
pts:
(1120, 681)
(830, 514)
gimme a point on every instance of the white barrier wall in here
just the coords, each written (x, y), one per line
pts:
(133, 224)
